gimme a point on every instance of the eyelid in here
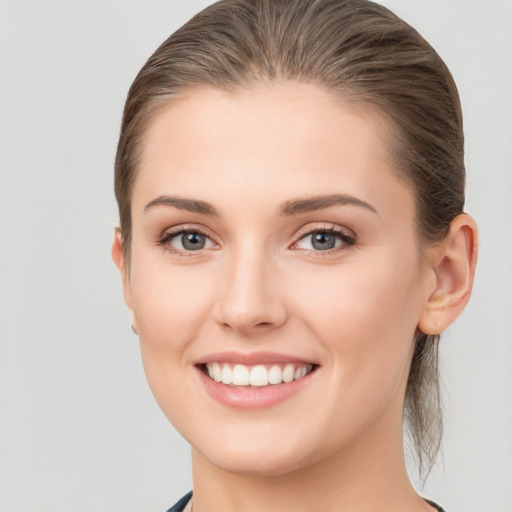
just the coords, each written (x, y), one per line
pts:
(323, 226)
(348, 237)
(168, 234)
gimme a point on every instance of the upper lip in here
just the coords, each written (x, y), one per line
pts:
(251, 358)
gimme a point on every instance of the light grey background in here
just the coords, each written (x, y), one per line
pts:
(79, 430)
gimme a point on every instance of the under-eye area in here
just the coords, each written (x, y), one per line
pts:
(256, 375)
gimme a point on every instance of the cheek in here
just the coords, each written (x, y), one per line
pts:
(169, 301)
(364, 319)
(365, 316)
(171, 306)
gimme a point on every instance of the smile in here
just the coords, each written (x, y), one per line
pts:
(259, 375)
(254, 381)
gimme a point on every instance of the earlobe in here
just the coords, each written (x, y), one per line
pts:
(453, 264)
(120, 261)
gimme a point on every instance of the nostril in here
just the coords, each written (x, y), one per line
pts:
(245, 312)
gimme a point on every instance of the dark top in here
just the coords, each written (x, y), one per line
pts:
(183, 503)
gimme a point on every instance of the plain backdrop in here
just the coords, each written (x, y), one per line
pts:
(79, 429)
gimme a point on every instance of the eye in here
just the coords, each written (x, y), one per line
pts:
(186, 241)
(323, 240)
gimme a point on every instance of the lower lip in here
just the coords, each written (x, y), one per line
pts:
(240, 397)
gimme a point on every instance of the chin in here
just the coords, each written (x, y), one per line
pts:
(258, 464)
(262, 452)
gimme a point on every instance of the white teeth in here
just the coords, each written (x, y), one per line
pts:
(217, 372)
(227, 374)
(275, 375)
(240, 375)
(301, 372)
(288, 373)
(258, 375)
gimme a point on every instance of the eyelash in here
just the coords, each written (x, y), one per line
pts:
(346, 240)
(165, 239)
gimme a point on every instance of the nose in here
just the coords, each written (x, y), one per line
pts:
(251, 299)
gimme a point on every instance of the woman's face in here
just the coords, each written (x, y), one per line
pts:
(272, 239)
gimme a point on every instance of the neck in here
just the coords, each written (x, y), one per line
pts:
(355, 479)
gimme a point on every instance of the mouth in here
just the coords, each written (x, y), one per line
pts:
(256, 376)
(254, 381)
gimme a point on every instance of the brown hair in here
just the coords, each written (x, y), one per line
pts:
(358, 50)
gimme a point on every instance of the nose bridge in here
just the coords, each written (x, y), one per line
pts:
(250, 297)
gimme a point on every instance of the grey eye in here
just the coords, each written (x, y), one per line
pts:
(322, 241)
(186, 241)
(192, 241)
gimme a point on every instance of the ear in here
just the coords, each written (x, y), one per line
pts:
(120, 262)
(453, 265)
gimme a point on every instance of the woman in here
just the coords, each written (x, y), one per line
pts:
(292, 241)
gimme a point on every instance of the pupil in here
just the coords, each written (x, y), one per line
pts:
(193, 241)
(323, 241)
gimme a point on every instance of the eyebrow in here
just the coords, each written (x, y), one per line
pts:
(288, 208)
(191, 205)
(311, 204)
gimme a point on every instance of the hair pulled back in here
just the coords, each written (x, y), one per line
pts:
(359, 51)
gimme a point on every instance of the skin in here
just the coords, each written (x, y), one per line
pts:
(260, 285)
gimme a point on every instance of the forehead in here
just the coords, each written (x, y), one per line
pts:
(272, 140)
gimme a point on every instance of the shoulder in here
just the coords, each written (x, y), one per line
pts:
(181, 504)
